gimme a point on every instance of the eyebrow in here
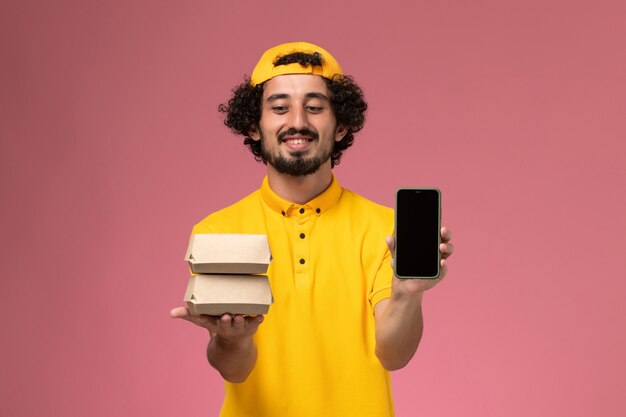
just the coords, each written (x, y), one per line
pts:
(280, 96)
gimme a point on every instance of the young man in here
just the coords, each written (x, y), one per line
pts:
(340, 321)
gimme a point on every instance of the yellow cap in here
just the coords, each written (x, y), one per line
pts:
(266, 70)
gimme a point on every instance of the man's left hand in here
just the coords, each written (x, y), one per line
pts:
(413, 286)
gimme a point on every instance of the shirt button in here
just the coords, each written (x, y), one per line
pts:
(302, 236)
(301, 211)
(318, 211)
(282, 212)
(301, 261)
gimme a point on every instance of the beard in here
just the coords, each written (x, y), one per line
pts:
(298, 165)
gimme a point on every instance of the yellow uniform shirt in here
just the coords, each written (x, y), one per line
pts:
(330, 267)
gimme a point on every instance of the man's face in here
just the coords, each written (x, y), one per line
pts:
(298, 128)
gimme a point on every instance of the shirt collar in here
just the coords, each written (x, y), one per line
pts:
(318, 205)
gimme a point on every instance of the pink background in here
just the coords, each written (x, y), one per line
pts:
(112, 148)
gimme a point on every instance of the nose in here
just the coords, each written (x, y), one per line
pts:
(298, 118)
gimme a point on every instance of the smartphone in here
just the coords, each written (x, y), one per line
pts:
(418, 225)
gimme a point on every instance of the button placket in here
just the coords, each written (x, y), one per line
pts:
(302, 245)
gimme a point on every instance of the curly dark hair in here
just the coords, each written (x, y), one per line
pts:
(243, 110)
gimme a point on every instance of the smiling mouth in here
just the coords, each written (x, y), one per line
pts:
(297, 144)
(297, 141)
(297, 137)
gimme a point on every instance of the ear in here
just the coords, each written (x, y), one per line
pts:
(341, 132)
(254, 133)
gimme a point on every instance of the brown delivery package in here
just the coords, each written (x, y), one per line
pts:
(225, 264)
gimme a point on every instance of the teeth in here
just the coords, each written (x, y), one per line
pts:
(297, 141)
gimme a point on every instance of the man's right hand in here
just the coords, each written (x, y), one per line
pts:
(228, 327)
(231, 350)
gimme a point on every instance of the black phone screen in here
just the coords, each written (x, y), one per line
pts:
(418, 219)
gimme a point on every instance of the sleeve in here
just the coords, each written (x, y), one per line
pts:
(383, 275)
(382, 280)
(205, 226)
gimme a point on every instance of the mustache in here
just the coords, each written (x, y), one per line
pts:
(294, 131)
